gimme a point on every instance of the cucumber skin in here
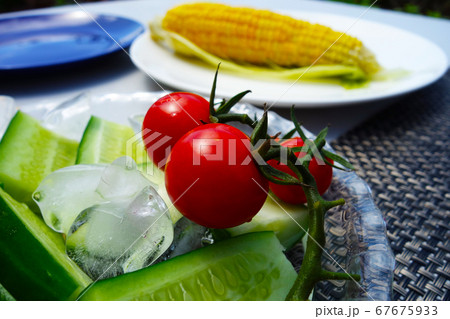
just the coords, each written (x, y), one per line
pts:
(23, 163)
(185, 277)
(85, 155)
(34, 265)
(92, 146)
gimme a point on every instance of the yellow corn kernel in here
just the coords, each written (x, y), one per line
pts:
(262, 37)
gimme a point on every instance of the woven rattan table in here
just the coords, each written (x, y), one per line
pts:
(403, 154)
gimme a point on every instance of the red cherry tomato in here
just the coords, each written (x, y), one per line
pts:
(168, 119)
(293, 194)
(212, 178)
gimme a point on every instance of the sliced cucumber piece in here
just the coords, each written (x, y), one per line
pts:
(288, 222)
(5, 295)
(247, 267)
(33, 262)
(28, 153)
(104, 141)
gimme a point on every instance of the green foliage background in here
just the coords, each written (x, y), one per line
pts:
(434, 8)
(17, 5)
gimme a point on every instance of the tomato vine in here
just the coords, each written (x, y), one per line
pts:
(311, 270)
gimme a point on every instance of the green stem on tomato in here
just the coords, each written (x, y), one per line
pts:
(234, 117)
(311, 271)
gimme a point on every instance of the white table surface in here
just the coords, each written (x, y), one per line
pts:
(124, 77)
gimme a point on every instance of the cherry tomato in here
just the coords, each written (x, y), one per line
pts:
(212, 178)
(168, 119)
(293, 194)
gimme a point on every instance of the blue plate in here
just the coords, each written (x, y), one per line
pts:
(37, 41)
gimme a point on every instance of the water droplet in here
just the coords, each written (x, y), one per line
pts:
(54, 221)
(37, 196)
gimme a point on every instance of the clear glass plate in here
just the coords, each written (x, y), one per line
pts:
(356, 232)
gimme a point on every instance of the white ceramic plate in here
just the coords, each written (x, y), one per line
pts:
(393, 47)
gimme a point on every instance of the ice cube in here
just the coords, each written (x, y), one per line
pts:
(121, 235)
(188, 236)
(63, 194)
(136, 121)
(122, 179)
(69, 118)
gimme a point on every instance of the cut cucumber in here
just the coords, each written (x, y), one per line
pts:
(28, 153)
(247, 267)
(5, 295)
(104, 141)
(288, 222)
(33, 262)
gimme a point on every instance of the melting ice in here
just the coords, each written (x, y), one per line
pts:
(114, 219)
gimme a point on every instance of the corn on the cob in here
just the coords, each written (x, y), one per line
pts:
(262, 37)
